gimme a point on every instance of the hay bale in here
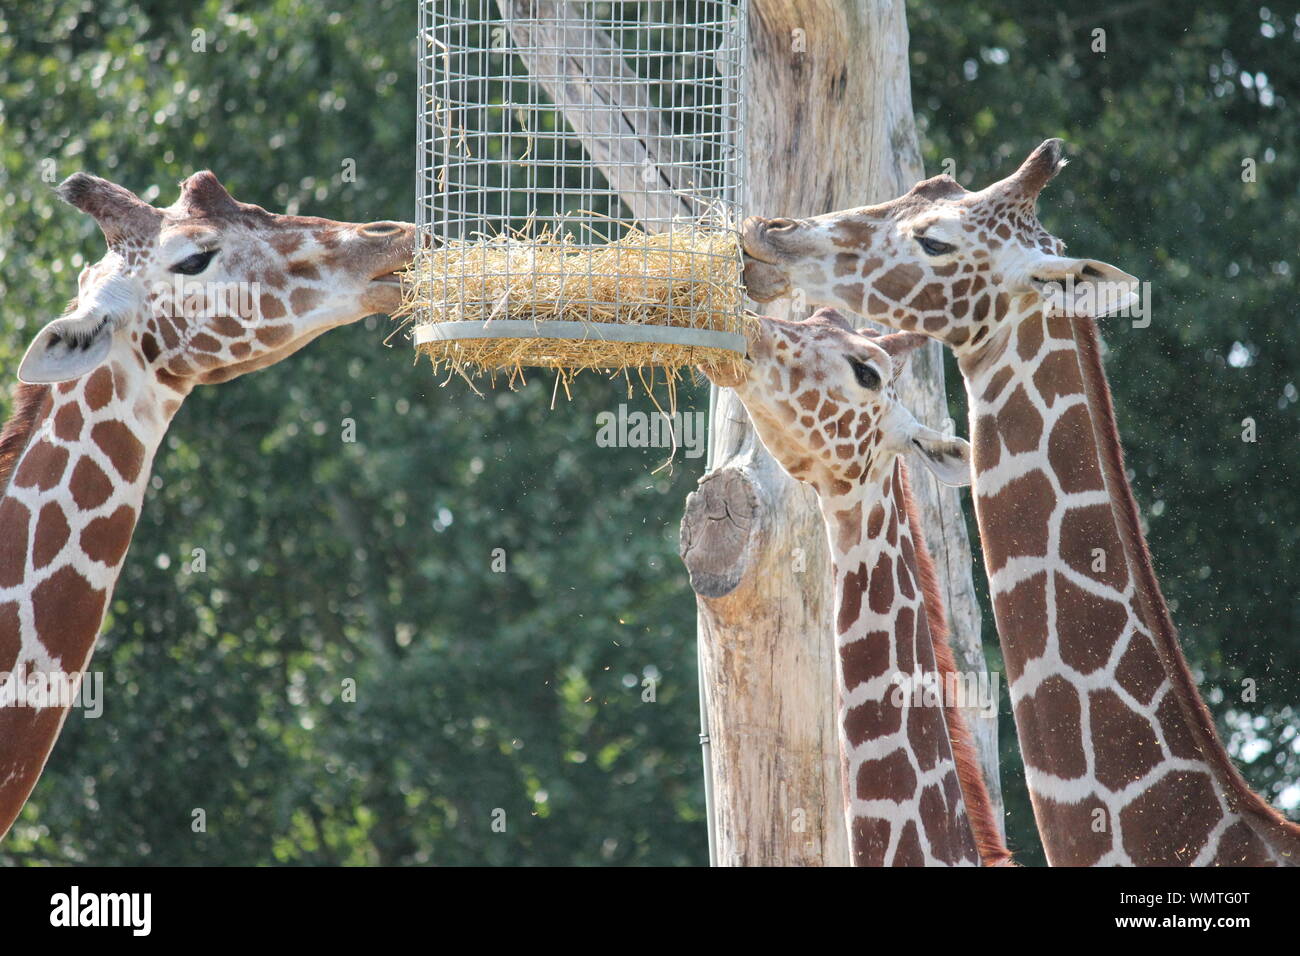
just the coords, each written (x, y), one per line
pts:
(628, 304)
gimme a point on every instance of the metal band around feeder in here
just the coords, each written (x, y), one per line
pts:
(578, 332)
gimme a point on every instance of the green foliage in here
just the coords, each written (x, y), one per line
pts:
(329, 561)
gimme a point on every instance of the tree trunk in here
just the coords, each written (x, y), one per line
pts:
(829, 125)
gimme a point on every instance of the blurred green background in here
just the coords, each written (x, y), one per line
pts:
(372, 560)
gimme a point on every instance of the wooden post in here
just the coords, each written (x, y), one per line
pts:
(829, 125)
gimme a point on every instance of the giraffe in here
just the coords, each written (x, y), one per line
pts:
(196, 293)
(822, 401)
(1122, 759)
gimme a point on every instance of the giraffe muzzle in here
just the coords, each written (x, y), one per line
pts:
(754, 241)
(394, 250)
(763, 281)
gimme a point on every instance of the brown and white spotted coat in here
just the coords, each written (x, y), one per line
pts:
(1122, 759)
(103, 382)
(822, 400)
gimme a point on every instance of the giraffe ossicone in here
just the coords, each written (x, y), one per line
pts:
(1122, 759)
(822, 400)
(102, 383)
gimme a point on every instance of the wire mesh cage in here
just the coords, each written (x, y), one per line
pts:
(579, 184)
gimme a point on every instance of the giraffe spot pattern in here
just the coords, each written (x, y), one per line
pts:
(1057, 376)
(1134, 748)
(872, 720)
(227, 325)
(899, 281)
(11, 640)
(1076, 473)
(909, 852)
(870, 840)
(848, 525)
(851, 602)
(1049, 722)
(905, 639)
(51, 534)
(14, 519)
(66, 603)
(106, 539)
(302, 301)
(923, 735)
(116, 440)
(1239, 846)
(864, 659)
(1029, 339)
(90, 487)
(1014, 522)
(1082, 830)
(1170, 820)
(1021, 612)
(987, 446)
(1085, 530)
(1139, 671)
(205, 343)
(99, 389)
(886, 778)
(1081, 612)
(42, 466)
(851, 295)
(68, 421)
(270, 307)
(1019, 423)
(1174, 729)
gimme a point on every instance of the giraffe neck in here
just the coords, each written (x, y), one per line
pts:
(71, 498)
(903, 798)
(1121, 758)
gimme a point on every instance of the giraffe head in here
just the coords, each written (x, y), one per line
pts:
(939, 259)
(210, 288)
(823, 402)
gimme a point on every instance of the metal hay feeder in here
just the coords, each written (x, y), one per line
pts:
(579, 182)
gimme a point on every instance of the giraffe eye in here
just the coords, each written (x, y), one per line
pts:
(867, 376)
(933, 247)
(193, 265)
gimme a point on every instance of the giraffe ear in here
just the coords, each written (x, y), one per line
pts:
(71, 346)
(1084, 288)
(66, 349)
(118, 211)
(947, 458)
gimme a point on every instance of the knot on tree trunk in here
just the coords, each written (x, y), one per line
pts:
(718, 528)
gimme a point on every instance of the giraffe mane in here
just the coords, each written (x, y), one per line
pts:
(29, 400)
(1280, 832)
(979, 808)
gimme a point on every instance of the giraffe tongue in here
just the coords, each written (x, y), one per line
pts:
(389, 278)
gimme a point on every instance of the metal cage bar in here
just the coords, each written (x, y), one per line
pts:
(548, 118)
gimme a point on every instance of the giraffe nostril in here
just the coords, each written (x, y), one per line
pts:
(380, 229)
